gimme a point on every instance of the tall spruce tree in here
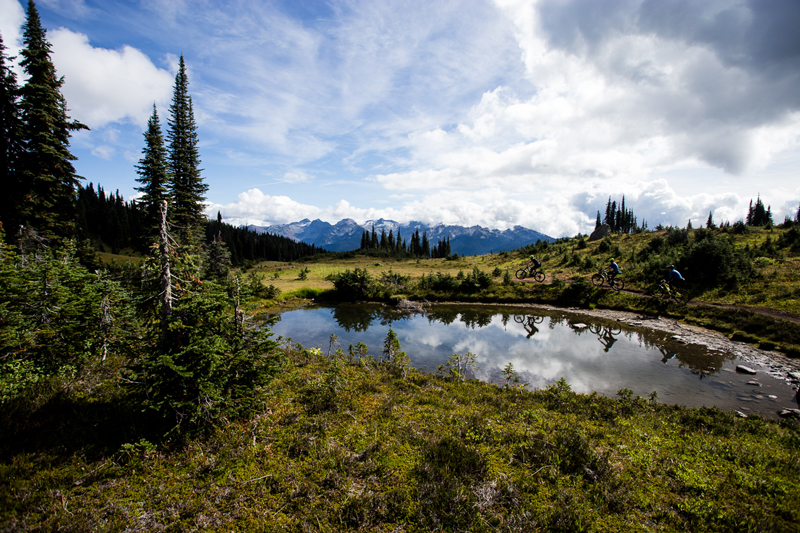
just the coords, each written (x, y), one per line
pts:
(153, 175)
(48, 177)
(10, 144)
(186, 184)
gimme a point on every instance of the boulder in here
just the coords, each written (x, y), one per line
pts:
(600, 232)
(745, 369)
(410, 307)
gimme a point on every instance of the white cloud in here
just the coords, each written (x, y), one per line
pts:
(295, 177)
(103, 152)
(104, 86)
(12, 16)
(255, 207)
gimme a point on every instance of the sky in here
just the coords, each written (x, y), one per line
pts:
(492, 113)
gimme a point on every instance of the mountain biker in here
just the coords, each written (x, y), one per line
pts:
(612, 270)
(535, 264)
(673, 276)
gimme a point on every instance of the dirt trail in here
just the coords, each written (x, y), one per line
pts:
(772, 313)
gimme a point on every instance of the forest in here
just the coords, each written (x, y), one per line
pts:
(178, 315)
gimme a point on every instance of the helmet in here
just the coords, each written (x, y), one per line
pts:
(611, 260)
(671, 267)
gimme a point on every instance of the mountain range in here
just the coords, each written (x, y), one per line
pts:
(345, 235)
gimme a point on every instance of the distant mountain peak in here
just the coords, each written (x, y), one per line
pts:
(345, 235)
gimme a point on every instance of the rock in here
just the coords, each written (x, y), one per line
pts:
(772, 397)
(755, 383)
(600, 232)
(409, 306)
(579, 325)
(795, 376)
(745, 369)
(786, 412)
(741, 414)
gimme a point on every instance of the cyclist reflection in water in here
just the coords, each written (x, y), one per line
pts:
(607, 339)
(529, 323)
(666, 355)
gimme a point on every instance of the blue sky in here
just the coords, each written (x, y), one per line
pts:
(469, 112)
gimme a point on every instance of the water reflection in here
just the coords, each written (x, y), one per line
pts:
(529, 323)
(543, 346)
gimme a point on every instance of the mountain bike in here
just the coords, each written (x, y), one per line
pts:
(529, 271)
(664, 290)
(602, 277)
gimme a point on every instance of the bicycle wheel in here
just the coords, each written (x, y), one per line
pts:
(687, 296)
(522, 273)
(618, 285)
(658, 291)
(598, 280)
(539, 276)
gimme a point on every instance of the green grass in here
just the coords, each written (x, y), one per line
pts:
(343, 445)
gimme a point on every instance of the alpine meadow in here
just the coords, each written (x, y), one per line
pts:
(143, 389)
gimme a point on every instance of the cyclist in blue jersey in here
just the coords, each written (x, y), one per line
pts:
(674, 275)
(612, 270)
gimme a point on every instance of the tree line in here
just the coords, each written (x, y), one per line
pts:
(179, 320)
(417, 246)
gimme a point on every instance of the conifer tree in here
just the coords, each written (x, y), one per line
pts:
(152, 170)
(10, 143)
(186, 184)
(48, 176)
(710, 222)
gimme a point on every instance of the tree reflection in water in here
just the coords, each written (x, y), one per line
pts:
(643, 359)
(702, 362)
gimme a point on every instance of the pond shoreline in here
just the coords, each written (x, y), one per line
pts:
(771, 363)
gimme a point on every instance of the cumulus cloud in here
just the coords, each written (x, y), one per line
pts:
(255, 207)
(493, 208)
(12, 16)
(104, 86)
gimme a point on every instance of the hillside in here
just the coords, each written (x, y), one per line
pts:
(733, 276)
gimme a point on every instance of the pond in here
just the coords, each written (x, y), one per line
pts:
(590, 354)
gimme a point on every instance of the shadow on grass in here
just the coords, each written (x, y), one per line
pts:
(65, 425)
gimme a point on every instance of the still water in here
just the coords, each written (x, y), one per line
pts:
(544, 346)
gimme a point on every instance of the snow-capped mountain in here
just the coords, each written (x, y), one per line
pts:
(345, 235)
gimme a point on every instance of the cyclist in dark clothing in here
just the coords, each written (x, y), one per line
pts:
(535, 264)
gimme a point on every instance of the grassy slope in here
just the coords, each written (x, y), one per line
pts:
(777, 285)
(352, 446)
